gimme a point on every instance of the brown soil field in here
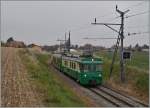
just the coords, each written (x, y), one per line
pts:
(16, 89)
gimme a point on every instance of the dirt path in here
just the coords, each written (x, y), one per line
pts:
(16, 88)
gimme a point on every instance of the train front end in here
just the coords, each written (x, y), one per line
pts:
(90, 71)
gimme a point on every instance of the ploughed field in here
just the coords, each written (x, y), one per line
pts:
(16, 89)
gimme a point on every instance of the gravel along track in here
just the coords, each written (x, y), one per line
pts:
(16, 89)
(116, 98)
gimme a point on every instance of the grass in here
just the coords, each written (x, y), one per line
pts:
(139, 60)
(54, 92)
(136, 69)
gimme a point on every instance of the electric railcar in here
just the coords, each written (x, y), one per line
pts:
(87, 70)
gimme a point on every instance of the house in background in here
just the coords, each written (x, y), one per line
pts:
(35, 47)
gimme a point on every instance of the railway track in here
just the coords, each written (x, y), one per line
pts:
(129, 97)
(115, 98)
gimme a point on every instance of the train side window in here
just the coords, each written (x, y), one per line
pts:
(74, 66)
(65, 63)
(70, 64)
(81, 67)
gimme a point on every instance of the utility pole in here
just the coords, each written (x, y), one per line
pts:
(65, 43)
(60, 43)
(122, 37)
(69, 43)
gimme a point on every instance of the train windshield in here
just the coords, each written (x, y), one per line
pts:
(90, 67)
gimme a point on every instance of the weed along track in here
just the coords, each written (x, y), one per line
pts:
(116, 98)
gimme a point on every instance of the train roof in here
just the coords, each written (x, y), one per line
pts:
(79, 58)
(57, 55)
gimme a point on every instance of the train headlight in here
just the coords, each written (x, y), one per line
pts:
(85, 75)
(99, 75)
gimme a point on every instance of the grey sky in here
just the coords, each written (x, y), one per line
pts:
(42, 22)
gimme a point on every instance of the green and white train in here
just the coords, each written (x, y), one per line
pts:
(87, 70)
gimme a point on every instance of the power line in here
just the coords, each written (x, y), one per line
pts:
(130, 7)
(89, 26)
(136, 5)
(114, 18)
(129, 34)
(106, 15)
(85, 26)
(120, 38)
(99, 38)
(137, 14)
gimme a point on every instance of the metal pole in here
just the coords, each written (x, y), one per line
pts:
(121, 50)
(122, 37)
(65, 43)
(69, 43)
(121, 34)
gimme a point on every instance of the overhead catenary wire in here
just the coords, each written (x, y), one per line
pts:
(126, 34)
(137, 14)
(129, 27)
(99, 38)
(85, 26)
(137, 33)
(129, 7)
(135, 5)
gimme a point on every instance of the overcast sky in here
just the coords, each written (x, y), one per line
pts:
(43, 22)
